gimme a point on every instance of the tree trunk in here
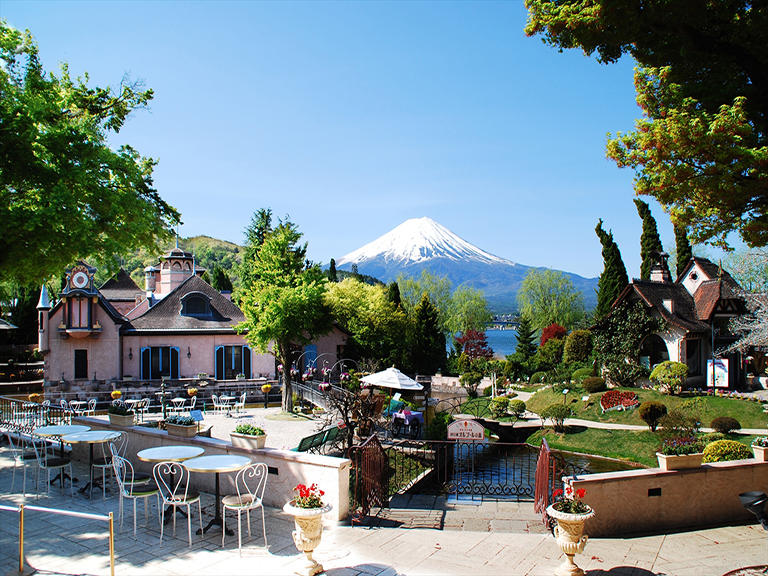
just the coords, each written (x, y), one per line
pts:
(285, 360)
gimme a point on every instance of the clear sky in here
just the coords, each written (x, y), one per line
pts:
(351, 117)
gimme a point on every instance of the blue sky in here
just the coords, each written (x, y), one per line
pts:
(353, 117)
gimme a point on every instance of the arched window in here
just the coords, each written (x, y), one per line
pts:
(653, 351)
(195, 304)
(176, 266)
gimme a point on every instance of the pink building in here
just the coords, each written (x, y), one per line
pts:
(177, 327)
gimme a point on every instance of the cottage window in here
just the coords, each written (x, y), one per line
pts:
(159, 362)
(231, 361)
(78, 312)
(195, 305)
(81, 364)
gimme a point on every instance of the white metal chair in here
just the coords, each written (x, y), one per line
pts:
(250, 483)
(192, 403)
(240, 404)
(172, 479)
(143, 408)
(47, 461)
(131, 488)
(22, 457)
(216, 404)
(64, 405)
(91, 411)
(108, 450)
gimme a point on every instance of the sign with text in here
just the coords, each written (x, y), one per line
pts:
(721, 373)
(466, 430)
(196, 415)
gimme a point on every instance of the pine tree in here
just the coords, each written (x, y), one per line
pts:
(526, 346)
(683, 247)
(332, 275)
(427, 338)
(393, 293)
(255, 235)
(614, 277)
(220, 280)
(650, 243)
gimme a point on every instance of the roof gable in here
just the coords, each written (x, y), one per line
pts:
(120, 287)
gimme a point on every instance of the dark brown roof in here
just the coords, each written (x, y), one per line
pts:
(166, 314)
(654, 294)
(120, 287)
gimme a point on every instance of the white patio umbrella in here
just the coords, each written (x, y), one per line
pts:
(392, 378)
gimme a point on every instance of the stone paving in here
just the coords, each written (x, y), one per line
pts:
(492, 538)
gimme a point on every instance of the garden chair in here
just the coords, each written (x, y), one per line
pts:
(130, 487)
(240, 404)
(192, 403)
(172, 479)
(64, 405)
(23, 457)
(104, 462)
(47, 461)
(143, 407)
(91, 411)
(216, 404)
(250, 483)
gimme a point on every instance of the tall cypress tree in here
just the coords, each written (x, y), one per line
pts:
(526, 346)
(332, 276)
(683, 247)
(614, 277)
(650, 243)
(220, 280)
(393, 293)
(427, 338)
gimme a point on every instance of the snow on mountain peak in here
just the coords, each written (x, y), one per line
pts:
(420, 240)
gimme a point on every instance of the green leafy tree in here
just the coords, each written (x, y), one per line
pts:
(393, 294)
(557, 413)
(65, 193)
(614, 278)
(256, 234)
(650, 243)
(468, 311)
(701, 148)
(220, 280)
(284, 306)
(683, 250)
(437, 288)
(427, 340)
(578, 346)
(547, 297)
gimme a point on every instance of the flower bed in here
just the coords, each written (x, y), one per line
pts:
(618, 400)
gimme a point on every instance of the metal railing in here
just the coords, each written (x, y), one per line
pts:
(25, 416)
(22, 508)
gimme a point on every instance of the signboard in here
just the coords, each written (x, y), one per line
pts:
(196, 415)
(721, 372)
(466, 430)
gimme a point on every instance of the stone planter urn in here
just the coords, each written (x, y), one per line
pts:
(309, 531)
(570, 537)
(182, 431)
(121, 419)
(682, 462)
(761, 453)
(247, 440)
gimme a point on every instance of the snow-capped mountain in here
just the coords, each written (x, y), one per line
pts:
(422, 243)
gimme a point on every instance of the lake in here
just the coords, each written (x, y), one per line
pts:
(502, 342)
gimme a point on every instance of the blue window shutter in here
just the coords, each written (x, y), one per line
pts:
(174, 357)
(145, 362)
(219, 363)
(247, 362)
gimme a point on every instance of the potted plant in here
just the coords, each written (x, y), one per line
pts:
(248, 436)
(570, 512)
(35, 397)
(191, 391)
(760, 448)
(116, 394)
(120, 415)
(183, 426)
(680, 453)
(240, 376)
(307, 509)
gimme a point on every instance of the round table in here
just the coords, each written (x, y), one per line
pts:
(169, 454)
(226, 402)
(78, 406)
(90, 437)
(58, 431)
(217, 463)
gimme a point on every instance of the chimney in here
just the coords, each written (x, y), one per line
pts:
(150, 282)
(660, 270)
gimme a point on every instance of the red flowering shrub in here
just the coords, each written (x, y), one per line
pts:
(554, 330)
(618, 399)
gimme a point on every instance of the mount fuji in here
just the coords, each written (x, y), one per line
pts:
(423, 244)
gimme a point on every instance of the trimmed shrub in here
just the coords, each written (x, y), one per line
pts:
(579, 375)
(593, 384)
(537, 378)
(437, 429)
(516, 408)
(498, 406)
(578, 346)
(554, 330)
(651, 412)
(669, 376)
(487, 390)
(712, 437)
(725, 424)
(557, 413)
(725, 450)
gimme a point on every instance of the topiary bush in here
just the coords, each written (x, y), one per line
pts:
(593, 384)
(498, 406)
(725, 424)
(437, 429)
(487, 391)
(651, 412)
(516, 408)
(712, 437)
(537, 377)
(557, 413)
(579, 375)
(578, 346)
(725, 450)
(669, 376)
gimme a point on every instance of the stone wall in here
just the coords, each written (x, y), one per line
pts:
(656, 501)
(286, 468)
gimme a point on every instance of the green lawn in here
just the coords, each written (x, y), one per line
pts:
(749, 414)
(632, 445)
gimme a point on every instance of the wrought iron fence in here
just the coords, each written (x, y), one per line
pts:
(25, 416)
(368, 478)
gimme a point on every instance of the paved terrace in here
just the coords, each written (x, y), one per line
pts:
(492, 538)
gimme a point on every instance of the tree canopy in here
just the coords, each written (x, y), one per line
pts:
(548, 296)
(614, 278)
(426, 338)
(701, 148)
(65, 193)
(284, 306)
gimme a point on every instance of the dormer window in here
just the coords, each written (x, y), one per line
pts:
(195, 304)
